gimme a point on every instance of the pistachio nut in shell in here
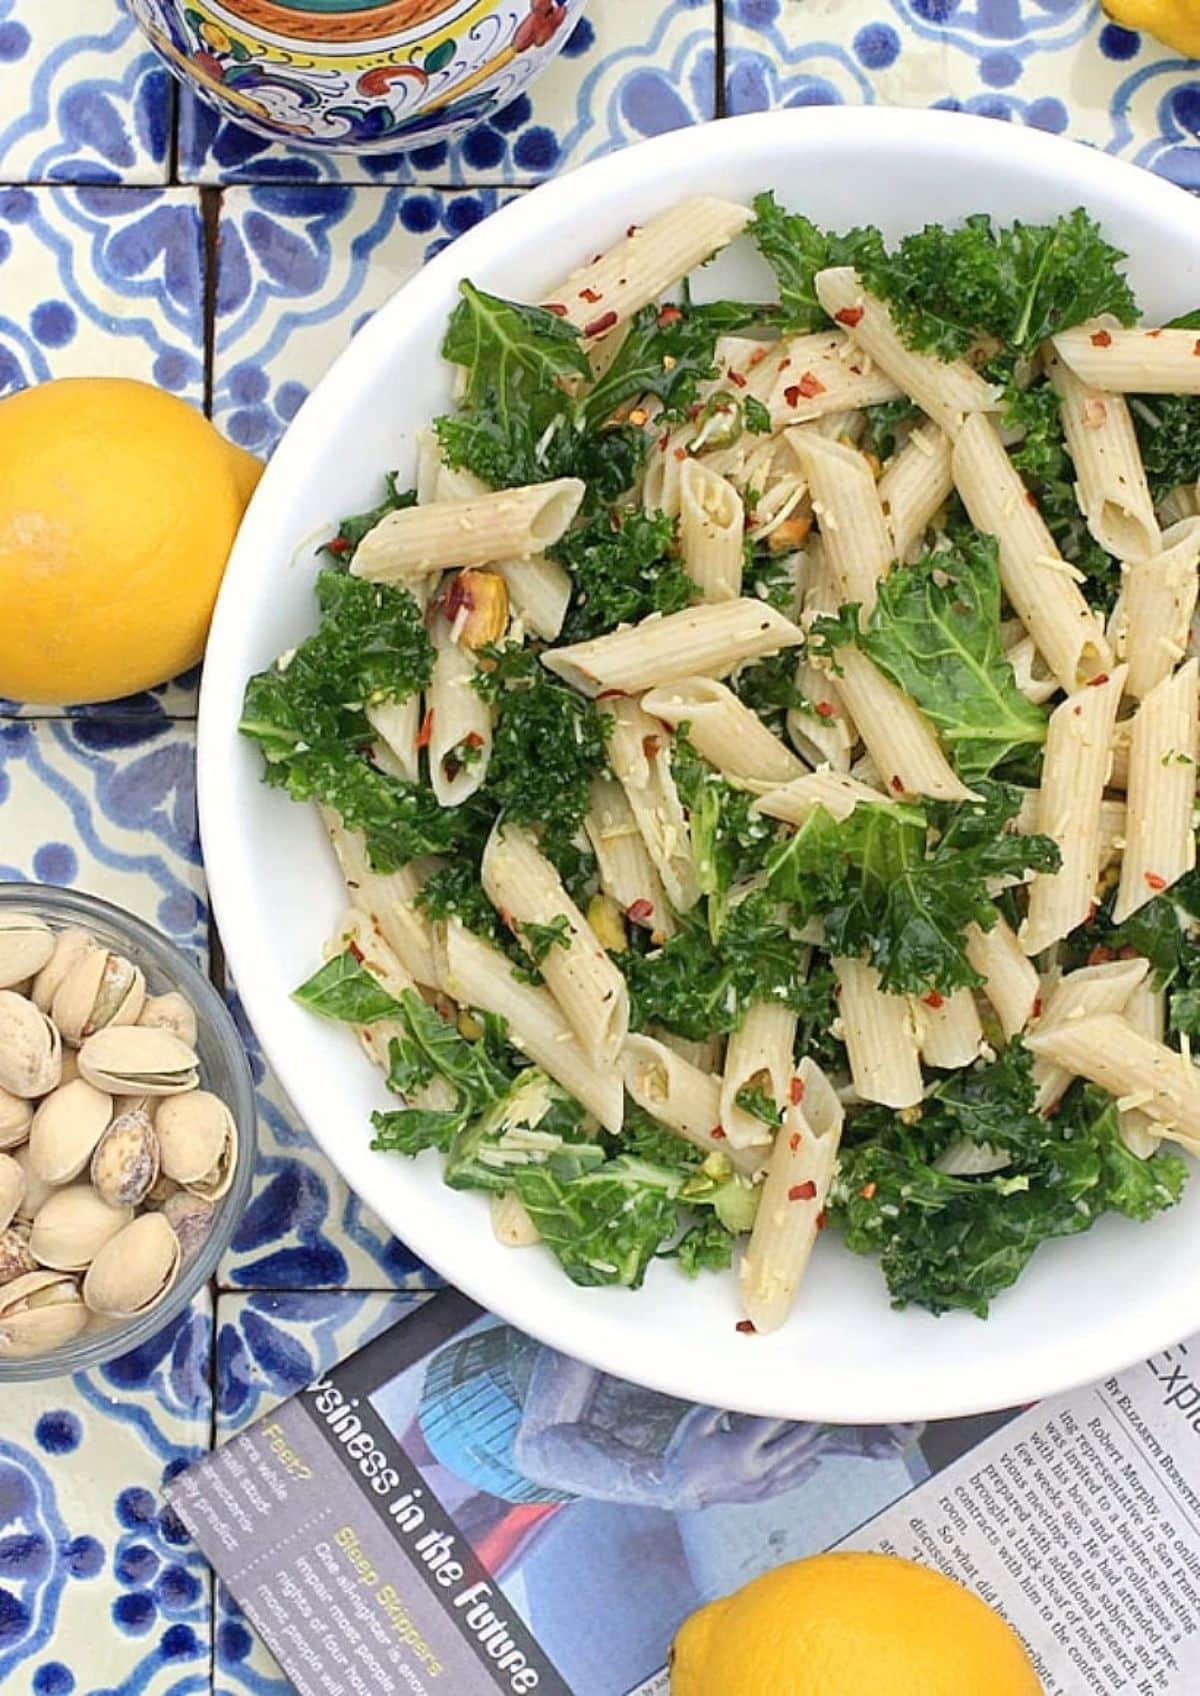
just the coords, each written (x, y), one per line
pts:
(135, 1269)
(30, 1048)
(100, 990)
(67, 1126)
(170, 1012)
(37, 1190)
(191, 1218)
(40, 1312)
(12, 1189)
(71, 1227)
(16, 1116)
(69, 948)
(161, 1191)
(125, 1163)
(16, 1257)
(26, 943)
(198, 1143)
(131, 1060)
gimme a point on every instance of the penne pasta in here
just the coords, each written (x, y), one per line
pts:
(949, 1031)
(704, 641)
(824, 734)
(407, 545)
(388, 899)
(758, 1057)
(1154, 615)
(1010, 979)
(1110, 479)
(1140, 1072)
(1106, 988)
(529, 895)
(856, 542)
(791, 1208)
(511, 1222)
(723, 731)
(1074, 771)
(836, 791)
(681, 1098)
(916, 483)
(824, 373)
(1147, 362)
(627, 874)
(478, 975)
(458, 721)
(640, 756)
(949, 391)
(711, 526)
(901, 742)
(645, 263)
(540, 591)
(1146, 1011)
(1036, 579)
(1160, 841)
(880, 1036)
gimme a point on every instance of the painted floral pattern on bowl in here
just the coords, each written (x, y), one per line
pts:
(357, 75)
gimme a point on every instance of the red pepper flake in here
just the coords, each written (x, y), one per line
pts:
(747, 1327)
(650, 746)
(1076, 712)
(868, 1191)
(1049, 1112)
(1030, 498)
(1035, 1012)
(1095, 682)
(717, 1133)
(792, 395)
(632, 230)
(803, 1192)
(934, 1000)
(757, 357)
(1196, 347)
(785, 363)
(668, 315)
(426, 730)
(794, 1141)
(695, 409)
(1153, 335)
(822, 1218)
(473, 739)
(1101, 339)
(664, 441)
(555, 306)
(590, 295)
(1100, 955)
(897, 786)
(681, 453)
(458, 597)
(639, 910)
(1154, 881)
(357, 952)
(810, 385)
(736, 378)
(338, 546)
(850, 315)
(826, 709)
(598, 326)
(797, 1091)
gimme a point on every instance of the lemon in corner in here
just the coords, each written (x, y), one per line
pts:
(1174, 22)
(118, 507)
(846, 1624)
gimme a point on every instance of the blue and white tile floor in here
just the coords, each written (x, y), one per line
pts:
(105, 268)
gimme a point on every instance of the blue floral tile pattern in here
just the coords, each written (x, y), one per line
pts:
(304, 1229)
(98, 1580)
(1054, 65)
(267, 1348)
(629, 70)
(300, 269)
(108, 806)
(82, 99)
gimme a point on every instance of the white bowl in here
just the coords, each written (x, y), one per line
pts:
(1085, 1306)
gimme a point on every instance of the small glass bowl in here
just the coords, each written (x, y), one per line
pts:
(224, 1070)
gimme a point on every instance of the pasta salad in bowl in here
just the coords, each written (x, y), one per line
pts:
(755, 724)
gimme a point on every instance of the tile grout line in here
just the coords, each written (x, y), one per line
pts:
(719, 58)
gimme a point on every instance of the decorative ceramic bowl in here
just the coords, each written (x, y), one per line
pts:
(1087, 1305)
(365, 76)
(224, 1069)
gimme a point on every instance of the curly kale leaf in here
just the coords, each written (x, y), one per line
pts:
(351, 531)
(1019, 285)
(729, 839)
(400, 821)
(796, 250)
(1168, 432)
(950, 1241)
(667, 352)
(623, 566)
(935, 631)
(768, 687)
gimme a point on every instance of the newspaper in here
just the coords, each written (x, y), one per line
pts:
(458, 1510)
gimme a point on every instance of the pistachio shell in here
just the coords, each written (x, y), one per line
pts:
(66, 1128)
(40, 1312)
(198, 1142)
(12, 1188)
(135, 1269)
(191, 1218)
(26, 943)
(72, 1226)
(69, 948)
(147, 1104)
(37, 1190)
(125, 1163)
(170, 1012)
(16, 1116)
(16, 1257)
(100, 990)
(131, 1060)
(30, 1048)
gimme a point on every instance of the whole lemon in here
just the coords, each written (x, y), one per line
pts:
(118, 507)
(1175, 22)
(849, 1625)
